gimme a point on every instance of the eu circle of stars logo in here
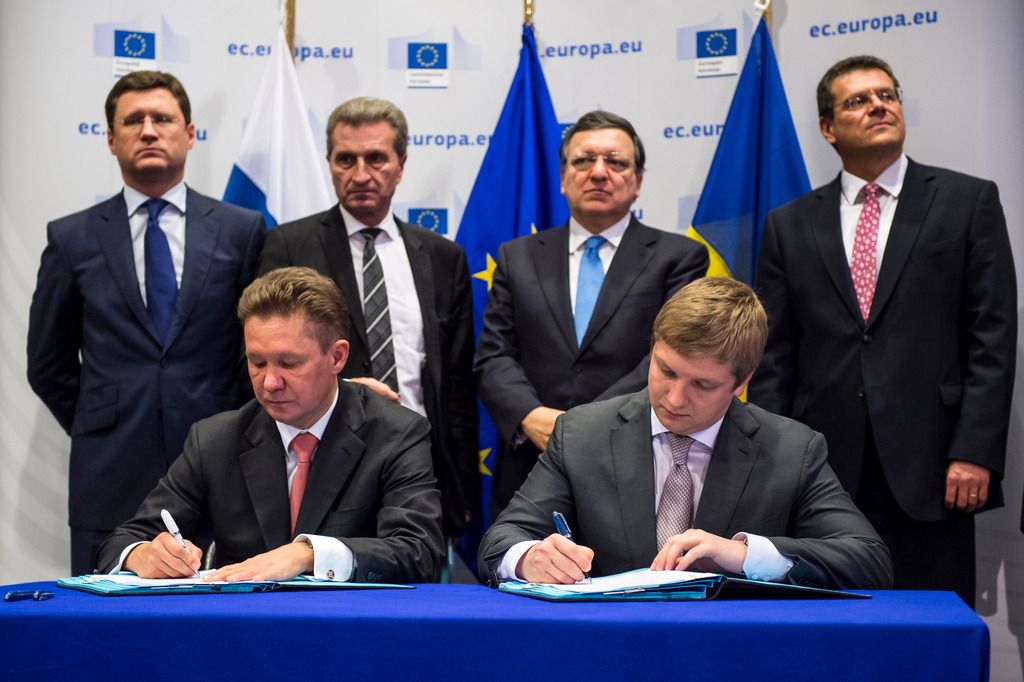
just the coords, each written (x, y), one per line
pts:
(134, 44)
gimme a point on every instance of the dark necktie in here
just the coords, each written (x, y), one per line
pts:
(375, 310)
(161, 281)
(675, 509)
(588, 285)
(303, 446)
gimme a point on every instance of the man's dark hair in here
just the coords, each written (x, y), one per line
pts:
(599, 120)
(287, 291)
(826, 99)
(147, 80)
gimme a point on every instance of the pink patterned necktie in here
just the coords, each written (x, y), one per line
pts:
(303, 446)
(863, 265)
(675, 509)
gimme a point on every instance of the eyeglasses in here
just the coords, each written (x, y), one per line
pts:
(159, 120)
(863, 99)
(613, 162)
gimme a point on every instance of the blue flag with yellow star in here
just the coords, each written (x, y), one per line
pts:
(517, 191)
(757, 166)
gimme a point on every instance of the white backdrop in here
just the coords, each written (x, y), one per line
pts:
(958, 66)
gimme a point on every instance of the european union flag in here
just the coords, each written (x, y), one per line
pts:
(720, 43)
(428, 56)
(757, 166)
(433, 219)
(134, 45)
(517, 191)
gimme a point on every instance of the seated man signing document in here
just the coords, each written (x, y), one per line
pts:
(312, 476)
(682, 475)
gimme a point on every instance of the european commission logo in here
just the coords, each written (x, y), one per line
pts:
(427, 65)
(433, 219)
(716, 53)
(133, 51)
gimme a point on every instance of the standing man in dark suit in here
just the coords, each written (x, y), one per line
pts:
(682, 474)
(891, 300)
(412, 336)
(310, 477)
(131, 337)
(558, 330)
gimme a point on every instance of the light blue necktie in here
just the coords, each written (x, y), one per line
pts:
(161, 281)
(588, 285)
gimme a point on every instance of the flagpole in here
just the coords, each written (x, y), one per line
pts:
(528, 12)
(289, 26)
(765, 6)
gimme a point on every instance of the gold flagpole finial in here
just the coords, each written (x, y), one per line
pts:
(289, 25)
(765, 7)
(528, 12)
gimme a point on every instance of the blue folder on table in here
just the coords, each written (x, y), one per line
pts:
(647, 585)
(128, 584)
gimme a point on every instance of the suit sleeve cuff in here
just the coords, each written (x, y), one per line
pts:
(763, 562)
(332, 558)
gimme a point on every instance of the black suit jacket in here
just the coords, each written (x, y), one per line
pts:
(441, 275)
(528, 355)
(94, 359)
(370, 485)
(767, 476)
(933, 366)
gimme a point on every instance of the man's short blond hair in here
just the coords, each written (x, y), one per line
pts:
(715, 317)
(286, 291)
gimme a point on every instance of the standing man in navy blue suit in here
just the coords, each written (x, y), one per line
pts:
(132, 333)
(569, 315)
(892, 311)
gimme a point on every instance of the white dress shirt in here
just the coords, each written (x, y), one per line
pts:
(763, 560)
(172, 222)
(851, 203)
(403, 303)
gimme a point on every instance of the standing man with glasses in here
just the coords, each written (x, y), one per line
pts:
(132, 336)
(412, 335)
(891, 300)
(569, 317)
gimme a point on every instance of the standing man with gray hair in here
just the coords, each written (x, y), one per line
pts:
(569, 316)
(891, 300)
(410, 312)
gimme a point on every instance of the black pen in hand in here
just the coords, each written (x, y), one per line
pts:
(563, 529)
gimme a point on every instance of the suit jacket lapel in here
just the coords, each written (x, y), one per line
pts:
(337, 456)
(634, 251)
(201, 232)
(114, 236)
(728, 472)
(828, 236)
(550, 256)
(633, 465)
(911, 210)
(334, 239)
(266, 478)
(423, 277)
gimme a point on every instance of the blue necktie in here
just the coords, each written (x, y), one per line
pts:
(588, 285)
(161, 282)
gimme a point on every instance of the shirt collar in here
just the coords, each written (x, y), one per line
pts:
(890, 180)
(388, 226)
(175, 196)
(288, 432)
(707, 436)
(579, 234)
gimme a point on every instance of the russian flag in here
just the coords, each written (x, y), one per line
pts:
(279, 170)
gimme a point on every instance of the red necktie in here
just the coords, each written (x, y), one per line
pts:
(303, 446)
(863, 265)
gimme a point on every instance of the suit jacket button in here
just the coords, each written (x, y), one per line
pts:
(867, 338)
(366, 368)
(860, 392)
(164, 362)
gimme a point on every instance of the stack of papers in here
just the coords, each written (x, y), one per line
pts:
(645, 584)
(131, 584)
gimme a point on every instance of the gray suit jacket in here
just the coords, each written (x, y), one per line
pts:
(370, 485)
(767, 476)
